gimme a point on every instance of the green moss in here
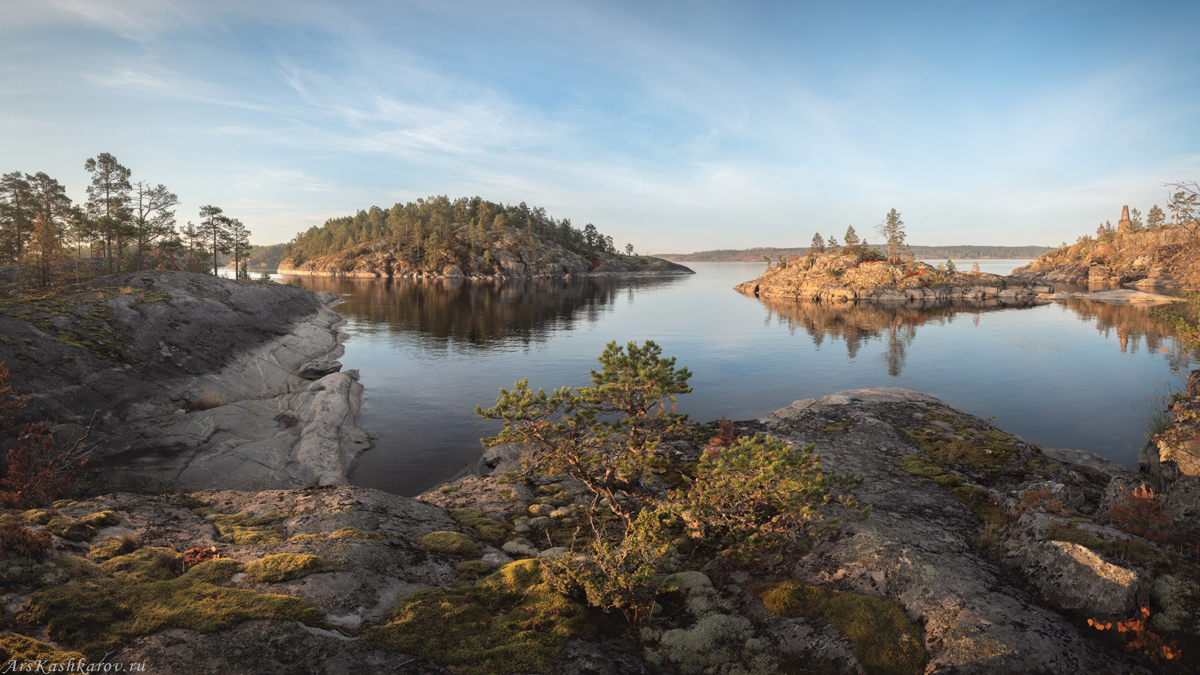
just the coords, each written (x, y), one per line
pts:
(306, 537)
(287, 566)
(450, 543)
(190, 502)
(447, 489)
(355, 533)
(106, 548)
(246, 528)
(63, 503)
(980, 502)
(473, 569)
(39, 516)
(919, 465)
(489, 530)
(101, 519)
(885, 641)
(836, 426)
(509, 622)
(61, 570)
(141, 595)
(69, 529)
(19, 649)
(215, 571)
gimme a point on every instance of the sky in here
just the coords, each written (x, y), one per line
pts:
(674, 126)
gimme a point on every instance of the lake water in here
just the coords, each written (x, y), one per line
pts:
(1075, 375)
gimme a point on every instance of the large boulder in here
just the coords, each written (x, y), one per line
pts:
(1079, 579)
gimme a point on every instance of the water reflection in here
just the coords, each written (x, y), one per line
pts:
(856, 324)
(481, 314)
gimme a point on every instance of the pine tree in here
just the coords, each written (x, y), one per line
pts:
(17, 211)
(108, 198)
(153, 218)
(818, 244)
(851, 237)
(892, 231)
(214, 228)
(239, 245)
(1156, 218)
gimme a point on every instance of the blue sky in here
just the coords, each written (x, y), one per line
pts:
(673, 126)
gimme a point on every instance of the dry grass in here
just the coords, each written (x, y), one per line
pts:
(206, 401)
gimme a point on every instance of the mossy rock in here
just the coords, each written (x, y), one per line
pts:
(246, 528)
(69, 529)
(142, 595)
(355, 533)
(39, 516)
(306, 537)
(101, 519)
(885, 641)
(489, 530)
(190, 502)
(450, 543)
(287, 566)
(63, 503)
(61, 570)
(215, 571)
(15, 648)
(106, 548)
(152, 563)
(473, 569)
(509, 622)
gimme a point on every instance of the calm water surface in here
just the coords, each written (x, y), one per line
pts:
(1077, 375)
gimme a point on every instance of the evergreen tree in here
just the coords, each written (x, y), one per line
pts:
(153, 218)
(851, 237)
(17, 211)
(239, 245)
(892, 231)
(1156, 218)
(45, 248)
(818, 244)
(214, 228)
(108, 198)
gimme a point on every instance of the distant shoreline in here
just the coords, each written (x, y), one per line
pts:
(963, 252)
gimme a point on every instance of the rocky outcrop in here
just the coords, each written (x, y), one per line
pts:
(1116, 297)
(198, 378)
(1162, 258)
(842, 277)
(517, 258)
(980, 555)
(1172, 460)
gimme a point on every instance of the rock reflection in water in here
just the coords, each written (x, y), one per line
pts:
(858, 323)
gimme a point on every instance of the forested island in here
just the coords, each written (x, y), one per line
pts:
(466, 237)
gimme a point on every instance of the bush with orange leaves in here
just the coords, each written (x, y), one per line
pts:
(1140, 513)
(1141, 638)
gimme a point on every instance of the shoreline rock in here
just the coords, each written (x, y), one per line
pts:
(198, 379)
(850, 277)
(966, 539)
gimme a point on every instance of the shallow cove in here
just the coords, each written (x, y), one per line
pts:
(1077, 374)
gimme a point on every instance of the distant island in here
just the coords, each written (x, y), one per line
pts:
(965, 252)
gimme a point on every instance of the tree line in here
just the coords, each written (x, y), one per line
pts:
(128, 225)
(426, 231)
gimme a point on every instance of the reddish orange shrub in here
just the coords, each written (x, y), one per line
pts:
(1139, 513)
(1141, 637)
(19, 540)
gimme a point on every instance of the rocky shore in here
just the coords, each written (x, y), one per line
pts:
(199, 381)
(983, 554)
(847, 277)
(1161, 258)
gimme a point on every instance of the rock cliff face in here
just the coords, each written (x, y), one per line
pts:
(838, 277)
(197, 379)
(984, 554)
(518, 257)
(1164, 258)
